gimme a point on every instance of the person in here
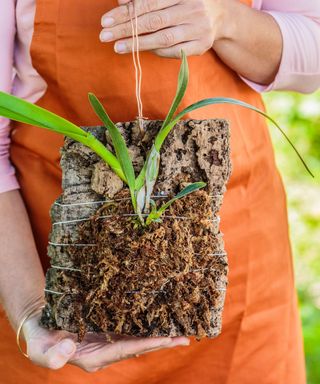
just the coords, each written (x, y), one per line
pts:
(52, 53)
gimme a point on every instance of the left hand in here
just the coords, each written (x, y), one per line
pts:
(166, 26)
(54, 349)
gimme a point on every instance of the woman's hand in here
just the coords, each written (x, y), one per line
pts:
(246, 40)
(166, 26)
(54, 349)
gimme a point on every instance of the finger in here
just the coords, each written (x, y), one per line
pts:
(151, 22)
(120, 350)
(176, 342)
(157, 40)
(191, 48)
(122, 13)
(131, 348)
(54, 357)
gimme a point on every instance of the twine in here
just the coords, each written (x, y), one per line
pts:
(137, 291)
(161, 196)
(103, 201)
(194, 270)
(71, 244)
(214, 220)
(136, 63)
(128, 292)
(66, 268)
(191, 271)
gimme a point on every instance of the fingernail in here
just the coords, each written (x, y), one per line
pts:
(66, 347)
(107, 21)
(106, 36)
(120, 47)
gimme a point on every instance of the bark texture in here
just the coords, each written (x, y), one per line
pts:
(106, 274)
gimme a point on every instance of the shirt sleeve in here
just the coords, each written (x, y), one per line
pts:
(299, 22)
(8, 180)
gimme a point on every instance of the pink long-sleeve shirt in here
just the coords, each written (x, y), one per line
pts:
(299, 22)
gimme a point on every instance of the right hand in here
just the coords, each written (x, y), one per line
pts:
(55, 349)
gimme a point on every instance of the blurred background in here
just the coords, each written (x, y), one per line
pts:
(299, 115)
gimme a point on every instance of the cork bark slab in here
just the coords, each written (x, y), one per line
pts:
(106, 274)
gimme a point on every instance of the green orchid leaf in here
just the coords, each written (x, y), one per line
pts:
(23, 111)
(140, 196)
(224, 100)
(22, 119)
(153, 205)
(183, 79)
(152, 170)
(118, 142)
(156, 214)
(141, 177)
(186, 191)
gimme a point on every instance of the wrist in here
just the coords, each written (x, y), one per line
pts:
(229, 14)
(32, 307)
(30, 322)
(26, 325)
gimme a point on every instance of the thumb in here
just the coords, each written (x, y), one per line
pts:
(56, 356)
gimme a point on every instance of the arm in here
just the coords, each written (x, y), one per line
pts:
(250, 43)
(18, 257)
(299, 22)
(21, 275)
(7, 31)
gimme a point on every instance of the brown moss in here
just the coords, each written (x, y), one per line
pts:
(163, 280)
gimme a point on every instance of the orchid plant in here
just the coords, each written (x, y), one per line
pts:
(142, 185)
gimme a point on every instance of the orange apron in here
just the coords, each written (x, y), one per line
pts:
(261, 337)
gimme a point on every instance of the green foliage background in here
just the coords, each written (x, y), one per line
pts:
(299, 115)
